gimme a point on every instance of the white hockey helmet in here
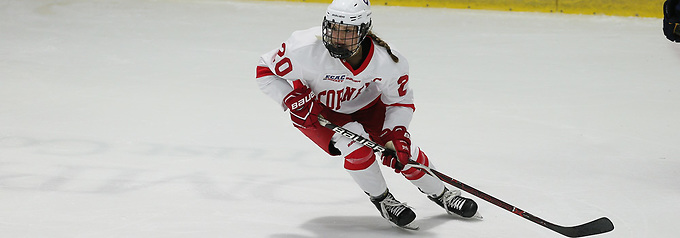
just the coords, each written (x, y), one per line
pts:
(348, 15)
(350, 12)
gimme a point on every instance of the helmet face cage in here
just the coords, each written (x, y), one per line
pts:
(343, 40)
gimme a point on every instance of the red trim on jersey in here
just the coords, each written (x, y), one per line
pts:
(263, 71)
(412, 106)
(297, 84)
(363, 64)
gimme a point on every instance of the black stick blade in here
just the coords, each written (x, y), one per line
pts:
(595, 227)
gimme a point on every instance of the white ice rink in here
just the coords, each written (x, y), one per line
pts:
(140, 118)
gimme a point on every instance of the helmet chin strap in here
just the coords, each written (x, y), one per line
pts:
(341, 52)
(355, 52)
(355, 59)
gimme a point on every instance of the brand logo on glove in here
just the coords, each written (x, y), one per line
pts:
(301, 103)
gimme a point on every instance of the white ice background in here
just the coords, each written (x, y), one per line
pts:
(139, 118)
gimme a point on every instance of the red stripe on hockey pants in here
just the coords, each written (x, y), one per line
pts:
(413, 173)
(359, 159)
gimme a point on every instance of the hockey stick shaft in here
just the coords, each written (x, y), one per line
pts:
(598, 226)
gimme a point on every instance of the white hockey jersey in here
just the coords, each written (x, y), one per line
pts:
(337, 85)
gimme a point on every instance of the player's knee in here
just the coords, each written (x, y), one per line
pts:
(359, 159)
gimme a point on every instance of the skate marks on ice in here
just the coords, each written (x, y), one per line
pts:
(373, 226)
(97, 166)
(67, 147)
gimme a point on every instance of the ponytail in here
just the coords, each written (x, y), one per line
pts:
(384, 44)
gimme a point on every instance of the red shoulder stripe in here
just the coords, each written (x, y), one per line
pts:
(263, 71)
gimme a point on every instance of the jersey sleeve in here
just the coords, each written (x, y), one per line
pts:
(280, 67)
(398, 96)
(272, 85)
(280, 62)
(397, 116)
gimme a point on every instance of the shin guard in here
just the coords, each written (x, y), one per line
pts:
(365, 171)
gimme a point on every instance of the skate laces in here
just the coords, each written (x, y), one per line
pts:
(390, 205)
(452, 199)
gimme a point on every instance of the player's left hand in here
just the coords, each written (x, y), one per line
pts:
(399, 140)
(671, 20)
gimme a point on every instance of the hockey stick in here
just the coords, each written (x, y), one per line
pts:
(595, 227)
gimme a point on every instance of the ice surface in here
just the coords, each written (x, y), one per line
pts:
(128, 118)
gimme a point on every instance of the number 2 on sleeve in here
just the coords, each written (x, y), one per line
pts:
(402, 85)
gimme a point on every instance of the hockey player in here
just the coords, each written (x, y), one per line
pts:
(671, 20)
(345, 73)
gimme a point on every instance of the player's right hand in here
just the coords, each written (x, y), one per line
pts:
(303, 106)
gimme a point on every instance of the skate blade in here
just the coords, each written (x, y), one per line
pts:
(411, 226)
(477, 216)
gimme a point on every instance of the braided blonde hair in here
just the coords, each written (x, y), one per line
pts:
(384, 44)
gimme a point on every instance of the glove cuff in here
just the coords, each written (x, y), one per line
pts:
(396, 133)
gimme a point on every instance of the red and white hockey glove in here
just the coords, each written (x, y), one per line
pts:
(399, 140)
(304, 108)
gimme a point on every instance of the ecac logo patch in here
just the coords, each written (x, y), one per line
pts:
(335, 78)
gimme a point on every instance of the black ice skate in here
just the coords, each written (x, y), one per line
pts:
(456, 204)
(394, 211)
